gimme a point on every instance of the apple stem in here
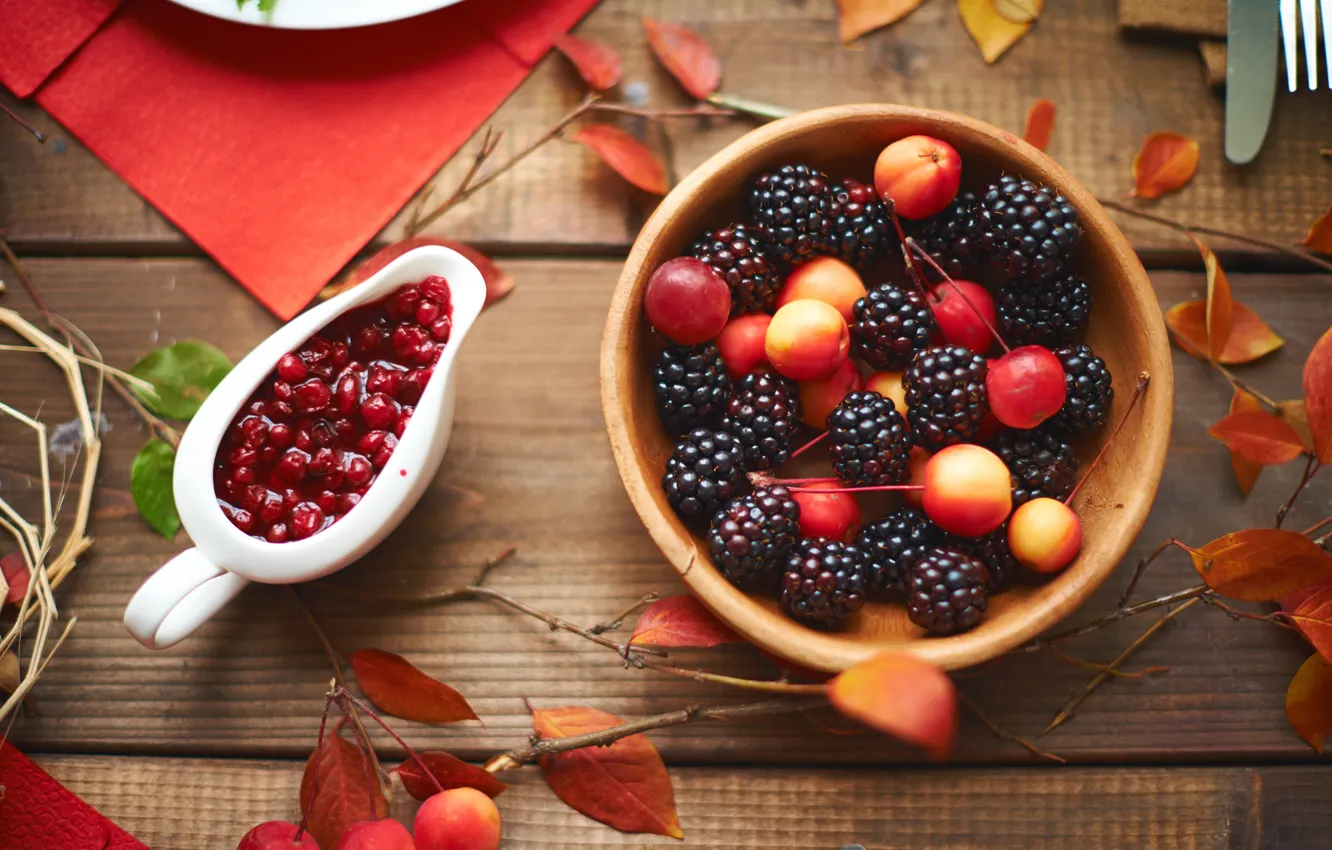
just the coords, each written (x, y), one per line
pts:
(314, 782)
(1143, 380)
(798, 452)
(878, 488)
(925, 255)
(916, 276)
(345, 694)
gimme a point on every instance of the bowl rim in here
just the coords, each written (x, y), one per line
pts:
(827, 652)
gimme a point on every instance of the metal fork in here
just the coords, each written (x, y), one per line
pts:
(1308, 24)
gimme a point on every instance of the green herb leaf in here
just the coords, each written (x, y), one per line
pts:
(150, 484)
(182, 376)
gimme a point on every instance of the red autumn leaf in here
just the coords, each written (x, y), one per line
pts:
(16, 574)
(345, 790)
(1314, 619)
(1291, 601)
(1309, 701)
(1246, 471)
(623, 785)
(903, 696)
(686, 55)
(398, 687)
(1319, 237)
(857, 17)
(1294, 412)
(498, 281)
(1250, 337)
(630, 158)
(681, 621)
(451, 772)
(598, 64)
(1261, 564)
(1040, 124)
(1259, 436)
(1318, 396)
(1165, 163)
(1220, 311)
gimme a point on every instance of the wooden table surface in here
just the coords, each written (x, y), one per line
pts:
(188, 748)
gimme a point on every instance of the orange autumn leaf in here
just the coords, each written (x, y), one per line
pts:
(1318, 396)
(1220, 312)
(402, 689)
(499, 283)
(1261, 564)
(1259, 436)
(857, 17)
(903, 696)
(1319, 237)
(1164, 164)
(1250, 337)
(1309, 701)
(623, 784)
(992, 32)
(681, 621)
(630, 158)
(1313, 617)
(1293, 411)
(686, 55)
(1246, 471)
(1020, 11)
(450, 771)
(598, 64)
(1040, 124)
(345, 790)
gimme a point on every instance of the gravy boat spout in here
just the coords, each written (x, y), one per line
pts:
(194, 585)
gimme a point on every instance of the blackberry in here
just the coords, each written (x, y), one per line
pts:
(1089, 389)
(894, 543)
(890, 324)
(793, 210)
(1051, 312)
(690, 385)
(945, 395)
(1025, 228)
(950, 237)
(991, 550)
(947, 591)
(705, 472)
(824, 581)
(740, 256)
(752, 536)
(763, 415)
(868, 441)
(861, 230)
(1040, 461)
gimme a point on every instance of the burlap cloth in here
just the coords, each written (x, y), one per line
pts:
(1205, 19)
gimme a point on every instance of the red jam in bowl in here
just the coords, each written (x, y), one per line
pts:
(315, 434)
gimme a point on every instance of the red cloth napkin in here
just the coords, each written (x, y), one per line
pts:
(38, 813)
(35, 37)
(282, 153)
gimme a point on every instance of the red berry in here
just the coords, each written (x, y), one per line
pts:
(687, 301)
(407, 340)
(402, 303)
(311, 396)
(307, 518)
(832, 515)
(921, 175)
(958, 321)
(276, 835)
(369, 339)
(383, 380)
(440, 329)
(291, 368)
(1026, 386)
(379, 411)
(427, 312)
(413, 384)
(436, 289)
(741, 343)
(277, 533)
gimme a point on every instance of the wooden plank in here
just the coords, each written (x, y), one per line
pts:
(529, 443)
(1111, 92)
(185, 804)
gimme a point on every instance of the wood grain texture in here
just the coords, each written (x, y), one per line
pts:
(1111, 91)
(212, 803)
(530, 465)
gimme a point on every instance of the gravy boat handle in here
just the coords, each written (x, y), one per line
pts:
(179, 598)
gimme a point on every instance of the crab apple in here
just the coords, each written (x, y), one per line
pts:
(276, 835)
(741, 343)
(1045, 535)
(968, 490)
(920, 174)
(825, 279)
(917, 460)
(377, 835)
(820, 396)
(458, 819)
(835, 516)
(1025, 386)
(687, 301)
(958, 321)
(807, 339)
(889, 385)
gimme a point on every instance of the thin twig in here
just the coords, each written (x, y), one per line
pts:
(1239, 384)
(1142, 568)
(1275, 618)
(1103, 668)
(1115, 616)
(318, 757)
(1311, 467)
(18, 119)
(1003, 734)
(347, 696)
(1144, 379)
(492, 562)
(618, 620)
(1308, 532)
(925, 255)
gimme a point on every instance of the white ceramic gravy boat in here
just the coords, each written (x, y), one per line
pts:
(194, 585)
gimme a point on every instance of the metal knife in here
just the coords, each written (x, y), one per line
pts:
(1251, 73)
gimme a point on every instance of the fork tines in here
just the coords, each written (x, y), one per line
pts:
(1307, 22)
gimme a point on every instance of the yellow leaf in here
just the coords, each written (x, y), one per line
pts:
(992, 32)
(857, 17)
(1020, 11)
(1309, 701)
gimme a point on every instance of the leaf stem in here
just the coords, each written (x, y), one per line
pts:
(807, 446)
(1003, 734)
(318, 757)
(1142, 568)
(1115, 616)
(1238, 384)
(925, 255)
(18, 119)
(345, 694)
(1143, 380)
(1308, 532)
(1311, 467)
(618, 620)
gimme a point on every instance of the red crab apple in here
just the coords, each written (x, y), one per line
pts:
(276, 835)
(956, 312)
(1025, 386)
(377, 835)
(807, 339)
(819, 396)
(458, 819)
(687, 301)
(920, 174)
(835, 516)
(968, 490)
(1045, 535)
(741, 343)
(889, 385)
(825, 279)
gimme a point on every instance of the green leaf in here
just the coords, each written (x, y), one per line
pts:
(182, 376)
(150, 484)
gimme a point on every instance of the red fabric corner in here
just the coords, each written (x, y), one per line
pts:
(37, 35)
(528, 27)
(38, 813)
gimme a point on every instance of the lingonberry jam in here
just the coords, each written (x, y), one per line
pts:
(310, 442)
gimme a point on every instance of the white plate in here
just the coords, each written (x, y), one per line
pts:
(317, 14)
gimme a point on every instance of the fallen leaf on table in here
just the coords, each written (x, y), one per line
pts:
(1309, 701)
(681, 621)
(1164, 164)
(992, 32)
(630, 158)
(899, 694)
(1318, 395)
(1313, 617)
(17, 577)
(1292, 601)
(686, 55)
(1246, 471)
(498, 282)
(1250, 338)
(182, 375)
(342, 797)
(1293, 412)
(1319, 237)
(1259, 436)
(452, 772)
(1020, 11)
(598, 64)
(1040, 124)
(1262, 564)
(1220, 311)
(857, 17)
(9, 672)
(150, 484)
(397, 686)
(623, 784)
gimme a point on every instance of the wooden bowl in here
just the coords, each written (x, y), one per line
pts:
(1125, 330)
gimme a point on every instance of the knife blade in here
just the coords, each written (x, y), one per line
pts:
(1251, 72)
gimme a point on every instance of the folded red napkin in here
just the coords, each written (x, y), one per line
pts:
(282, 153)
(38, 813)
(36, 37)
